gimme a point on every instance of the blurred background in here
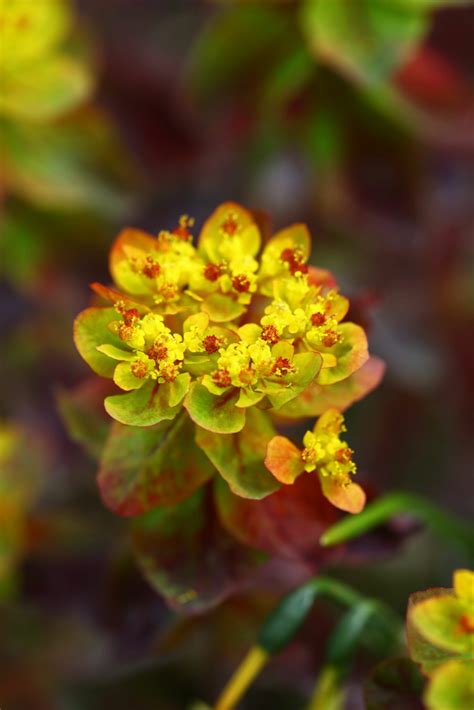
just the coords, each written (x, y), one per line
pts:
(356, 118)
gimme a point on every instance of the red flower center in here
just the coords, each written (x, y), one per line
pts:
(241, 283)
(221, 378)
(212, 272)
(211, 344)
(270, 334)
(151, 269)
(282, 366)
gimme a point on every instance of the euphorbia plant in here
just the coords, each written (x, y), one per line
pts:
(212, 347)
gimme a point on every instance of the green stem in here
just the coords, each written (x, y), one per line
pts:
(378, 512)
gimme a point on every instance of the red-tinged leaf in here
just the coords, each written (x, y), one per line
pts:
(433, 81)
(188, 557)
(422, 651)
(112, 296)
(144, 468)
(217, 414)
(284, 460)
(239, 457)
(350, 498)
(316, 398)
(288, 523)
(146, 406)
(83, 413)
(136, 243)
(351, 353)
(90, 331)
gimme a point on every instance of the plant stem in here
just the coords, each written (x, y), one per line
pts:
(250, 667)
(378, 512)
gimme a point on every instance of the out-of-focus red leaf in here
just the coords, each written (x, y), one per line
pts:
(430, 79)
(287, 523)
(188, 557)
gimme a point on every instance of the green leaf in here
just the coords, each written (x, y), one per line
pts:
(91, 330)
(144, 468)
(42, 93)
(451, 687)
(366, 40)
(316, 398)
(348, 632)
(283, 623)
(239, 457)
(216, 414)
(143, 407)
(188, 557)
(351, 353)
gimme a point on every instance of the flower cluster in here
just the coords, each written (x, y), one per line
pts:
(225, 326)
(324, 452)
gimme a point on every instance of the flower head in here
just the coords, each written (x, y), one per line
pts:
(254, 325)
(325, 453)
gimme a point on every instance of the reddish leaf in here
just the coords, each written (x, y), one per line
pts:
(188, 557)
(316, 399)
(284, 460)
(288, 523)
(143, 468)
(350, 498)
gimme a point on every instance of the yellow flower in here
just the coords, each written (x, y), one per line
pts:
(325, 451)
